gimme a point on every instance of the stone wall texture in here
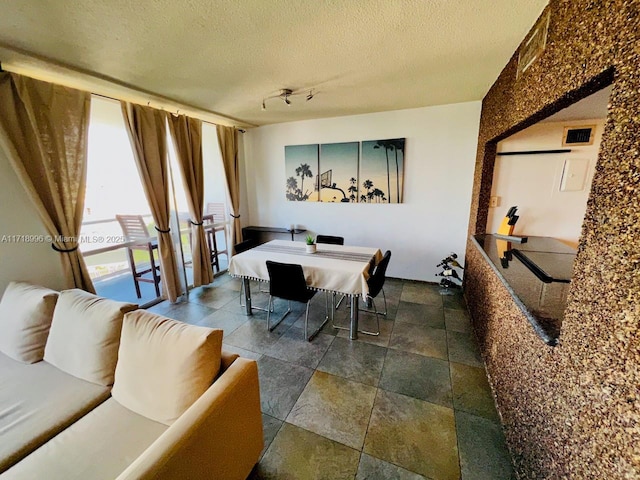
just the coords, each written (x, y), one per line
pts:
(571, 411)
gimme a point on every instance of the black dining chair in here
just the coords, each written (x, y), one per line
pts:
(375, 283)
(332, 240)
(286, 281)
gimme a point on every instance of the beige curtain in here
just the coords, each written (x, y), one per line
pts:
(148, 136)
(187, 138)
(228, 141)
(43, 131)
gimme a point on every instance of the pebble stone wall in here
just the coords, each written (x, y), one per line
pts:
(571, 411)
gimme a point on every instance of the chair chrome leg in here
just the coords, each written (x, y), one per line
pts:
(379, 313)
(374, 311)
(262, 309)
(375, 334)
(339, 301)
(326, 319)
(270, 309)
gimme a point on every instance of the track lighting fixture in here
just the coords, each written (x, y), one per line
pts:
(284, 94)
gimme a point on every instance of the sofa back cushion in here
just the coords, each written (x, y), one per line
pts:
(85, 335)
(164, 365)
(25, 318)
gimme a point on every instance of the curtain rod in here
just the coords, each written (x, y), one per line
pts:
(29, 64)
(241, 130)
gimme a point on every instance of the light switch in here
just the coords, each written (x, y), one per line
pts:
(574, 174)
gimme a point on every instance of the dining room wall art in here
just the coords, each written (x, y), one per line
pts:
(351, 172)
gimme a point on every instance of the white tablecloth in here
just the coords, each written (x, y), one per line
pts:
(335, 268)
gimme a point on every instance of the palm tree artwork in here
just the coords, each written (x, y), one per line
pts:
(371, 171)
(379, 157)
(301, 163)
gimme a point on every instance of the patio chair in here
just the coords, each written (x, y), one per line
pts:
(375, 283)
(135, 230)
(216, 213)
(286, 281)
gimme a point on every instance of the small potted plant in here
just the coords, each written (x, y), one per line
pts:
(311, 244)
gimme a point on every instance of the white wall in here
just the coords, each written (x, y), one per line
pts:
(532, 182)
(439, 164)
(33, 262)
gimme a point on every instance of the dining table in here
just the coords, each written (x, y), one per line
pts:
(339, 269)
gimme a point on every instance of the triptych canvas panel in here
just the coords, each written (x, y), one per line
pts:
(351, 172)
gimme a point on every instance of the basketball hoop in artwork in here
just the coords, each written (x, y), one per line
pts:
(325, 179)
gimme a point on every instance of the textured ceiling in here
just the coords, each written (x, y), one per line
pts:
(225, 56)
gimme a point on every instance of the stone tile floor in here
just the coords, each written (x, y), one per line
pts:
(413, 403)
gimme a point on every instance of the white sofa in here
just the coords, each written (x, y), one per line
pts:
(94, 389)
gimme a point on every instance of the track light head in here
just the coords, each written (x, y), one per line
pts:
(284, 94)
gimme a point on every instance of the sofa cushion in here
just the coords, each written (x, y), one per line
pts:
(37, 402)
(25, 318)
(98, 446)
(85, 335)
(164, 365)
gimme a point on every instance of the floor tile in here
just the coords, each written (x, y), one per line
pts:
(160, 308)
(457, 320)
(372, 468)
(382, 340)
(293, 347)
(420, 292)
(483, 452)
(335, 408)
(431, 342)
(416, 435)
(296, 453)
(455, 301)
(270, 428)
(420, 314)
(253, 335)
(213, 297)
(240, 351)
(357, 361)
(188, 312)
(417, 376)
(471, 391)
(281, 383)
(463, 348)
(224, 320)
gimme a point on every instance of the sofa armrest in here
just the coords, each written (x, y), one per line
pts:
(219, 436)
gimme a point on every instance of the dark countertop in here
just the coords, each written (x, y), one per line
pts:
(541, 294)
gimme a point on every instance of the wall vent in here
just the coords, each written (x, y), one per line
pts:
(582, 135)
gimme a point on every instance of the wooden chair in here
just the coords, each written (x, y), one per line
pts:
(135, 230)
(215, 213)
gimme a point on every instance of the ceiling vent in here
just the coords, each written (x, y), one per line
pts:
(582, 135)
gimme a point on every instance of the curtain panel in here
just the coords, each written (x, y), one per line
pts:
(228, 141)
(187, 137)
(43, 131)
(147, 133)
